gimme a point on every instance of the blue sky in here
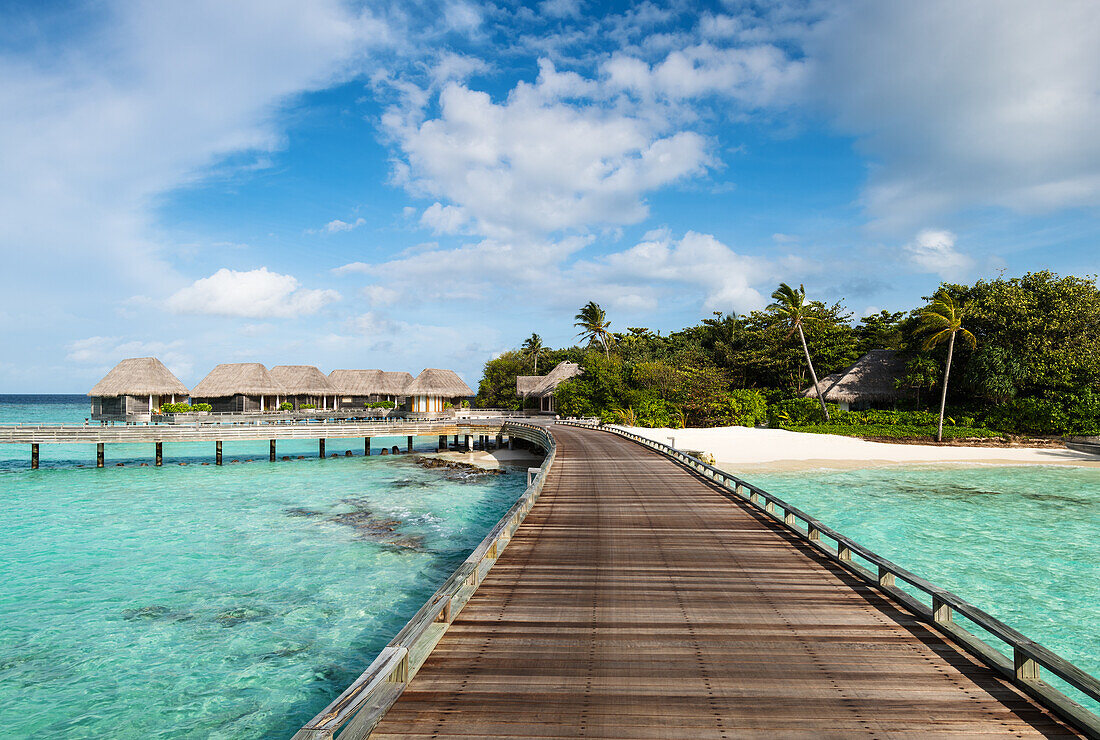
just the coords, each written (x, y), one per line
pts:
(424, 184)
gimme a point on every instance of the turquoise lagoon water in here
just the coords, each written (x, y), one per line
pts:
(1022, 542)
(195, 602)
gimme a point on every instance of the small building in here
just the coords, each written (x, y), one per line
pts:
(355, 388)
(871, 381)
(305, 384)
(430, 391)
(542, 387)
(134, 389)
(239, 387)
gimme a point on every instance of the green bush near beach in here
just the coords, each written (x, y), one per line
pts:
(379, 405)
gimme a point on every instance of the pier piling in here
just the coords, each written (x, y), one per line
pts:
(271, 451)
(409, 445)
(467, 442)
(366, 446)
(442, 446)
(160, 454)
(217, 453)
(321, 448)
(34, 457)
(99, 455)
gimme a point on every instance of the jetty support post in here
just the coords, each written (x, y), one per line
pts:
(34, 456)
(160, 454)
(99, 455)
(409, 444)
(500, 440)
(366, 446)
(442, 446)
(321, 448)
(218, 453)
(467, 442)
(271, 451)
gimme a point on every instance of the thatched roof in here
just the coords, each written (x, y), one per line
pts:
(541, 386)
(435, 382)
(356, 382)
(369, 382)
(394, 383)
(525, 384)
(139, 376)
(244, 378)
(302, 380)
(871, 378)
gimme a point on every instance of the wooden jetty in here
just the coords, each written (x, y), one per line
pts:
(273, 431)
(634, 592)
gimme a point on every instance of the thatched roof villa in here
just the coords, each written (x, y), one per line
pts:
(133, 389)
(241, 386)
(872, 380)
(542, 387)
(305, 384)
(357, 387)
(430, 391)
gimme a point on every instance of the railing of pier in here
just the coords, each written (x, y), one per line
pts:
(360, 707)
(1028, 656)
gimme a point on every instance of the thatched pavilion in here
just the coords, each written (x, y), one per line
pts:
(236, 387)
(870, 381)
(305, 384)
(354, 388)
(135, 388)
(433, 388)
(542, 387)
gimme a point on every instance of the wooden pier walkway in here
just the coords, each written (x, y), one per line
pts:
(638, 600)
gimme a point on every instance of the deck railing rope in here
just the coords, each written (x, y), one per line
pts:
(1028, 656)
(359, 708)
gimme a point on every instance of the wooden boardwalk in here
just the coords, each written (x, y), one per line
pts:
(637, 601)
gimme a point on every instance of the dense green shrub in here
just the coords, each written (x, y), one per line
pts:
(201, 407)
(307, 406)
(379, 405)
(174, 408)
(797, 412)
(895, 431)
(286, 406)
(747, 408)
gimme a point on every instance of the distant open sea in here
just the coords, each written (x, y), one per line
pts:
(204, 602)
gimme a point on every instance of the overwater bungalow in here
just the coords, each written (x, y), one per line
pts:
(237, 387)
(355, 388)
(305, 384)
(543, 387)
(430, 391)
(134, 389)
(871, 381)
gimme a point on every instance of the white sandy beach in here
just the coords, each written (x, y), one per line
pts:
(779, 448)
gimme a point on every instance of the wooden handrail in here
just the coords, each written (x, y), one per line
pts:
(1027, 655)
(359, 708)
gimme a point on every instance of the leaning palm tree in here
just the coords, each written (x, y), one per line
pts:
(943, 320)
(790, 305)
(594, 326)
(533, 347)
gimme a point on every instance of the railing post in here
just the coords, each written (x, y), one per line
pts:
(941, 612)
(813, 533)
(843, 552)
(789, 519)
(1026, 668)
(885, 577)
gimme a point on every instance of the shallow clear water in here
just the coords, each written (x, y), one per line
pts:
(198, 601)
(1018, 542)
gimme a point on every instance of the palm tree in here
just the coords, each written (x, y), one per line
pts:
(594, 326)
(790, 305)
(943, 320)
(533, 347)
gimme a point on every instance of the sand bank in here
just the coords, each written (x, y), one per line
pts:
(780, 449)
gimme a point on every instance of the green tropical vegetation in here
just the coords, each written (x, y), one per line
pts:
(1027, 362)
(183, 408)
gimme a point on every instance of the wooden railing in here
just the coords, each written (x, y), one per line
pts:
(356, 711)
(1028, 656)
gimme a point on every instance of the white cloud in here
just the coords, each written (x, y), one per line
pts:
(380, 295)
(105, 352)
(536, 163)
(934, 251)
(252, 294)
(987, 102)
(336, 225)
(443, 219)
(560, 8)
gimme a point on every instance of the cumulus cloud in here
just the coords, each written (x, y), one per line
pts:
(252, 294)
(989, 102)
(443, 219)
(537, 163)
(934, 251)
(336, 225)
